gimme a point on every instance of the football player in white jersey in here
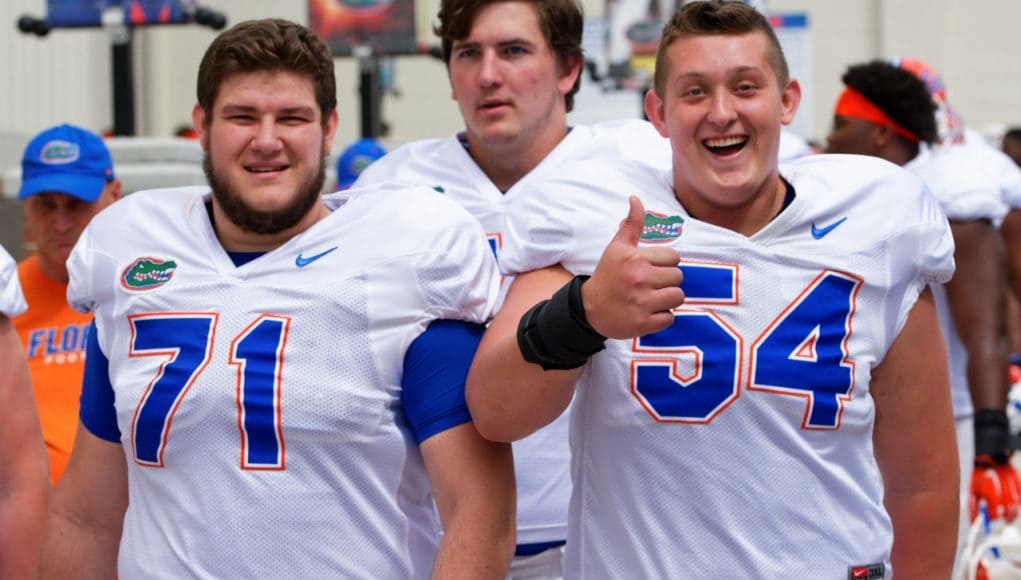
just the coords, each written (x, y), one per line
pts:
(994, 165)
(886, 111)
(994, 483)
(275, 383)
(514, 68)
(791, 418)
(24, 474)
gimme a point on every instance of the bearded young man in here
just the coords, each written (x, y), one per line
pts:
(275, 379)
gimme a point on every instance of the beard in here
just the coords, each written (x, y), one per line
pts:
(256, 221)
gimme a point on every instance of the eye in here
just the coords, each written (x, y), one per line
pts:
(466, 52)
(745, 87)
(516, 50)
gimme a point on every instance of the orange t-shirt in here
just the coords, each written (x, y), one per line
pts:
(53, 336)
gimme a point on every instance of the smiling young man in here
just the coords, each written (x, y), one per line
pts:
(267, 395)
(514, 69)
(793, 414)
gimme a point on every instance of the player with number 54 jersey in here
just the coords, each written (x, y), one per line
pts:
(758, 394)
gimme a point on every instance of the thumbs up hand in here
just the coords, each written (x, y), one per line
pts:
(633, 289)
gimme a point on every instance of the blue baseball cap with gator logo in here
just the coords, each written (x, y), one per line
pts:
(66, 159)
(355, 159)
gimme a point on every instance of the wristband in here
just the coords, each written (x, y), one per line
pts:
(554, 333)
(992, 436)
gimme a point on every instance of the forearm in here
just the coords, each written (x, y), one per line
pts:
(1011, 233)
(987, 372)
(472, 481)
(73, 547)
(977, 295)
(24, 472)
(82, 534)
(924, 531)
(510, 398)
(22, 513)
(477, 544)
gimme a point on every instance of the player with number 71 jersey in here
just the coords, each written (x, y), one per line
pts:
(758, 394)
(263, 403)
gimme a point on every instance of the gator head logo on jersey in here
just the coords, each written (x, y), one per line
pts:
(660, 228)
(147, 273)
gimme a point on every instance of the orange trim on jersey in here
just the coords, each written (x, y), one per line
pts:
(171, 354)
(851, 103)
(696, 374)
(735, 287)
(846, 361)
(278, 426)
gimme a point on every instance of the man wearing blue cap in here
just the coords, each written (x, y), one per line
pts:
(67, 178)
(355, 159)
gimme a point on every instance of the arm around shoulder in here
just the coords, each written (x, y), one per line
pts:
(510, 398)
(630, 293)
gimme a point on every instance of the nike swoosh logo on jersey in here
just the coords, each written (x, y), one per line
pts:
(302, 262)
(819, 233)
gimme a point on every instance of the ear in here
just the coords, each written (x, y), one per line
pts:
(330, 130)
(882, 136)
(789, 101)
(198, 120)
(114, 190)
(655, 111)
(569, 75)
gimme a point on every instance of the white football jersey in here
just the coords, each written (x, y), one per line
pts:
(542, 460)
(996, 165)
(260, 406)
(793, 146)
(737, 443)
(965, 191)
(12, 301)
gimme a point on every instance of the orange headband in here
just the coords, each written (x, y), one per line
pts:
(853, 104)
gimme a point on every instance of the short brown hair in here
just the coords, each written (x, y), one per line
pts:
(269, 44)
(561, 22)
(714, 17)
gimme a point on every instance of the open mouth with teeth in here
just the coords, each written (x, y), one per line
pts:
(725, 145)
(273, 169)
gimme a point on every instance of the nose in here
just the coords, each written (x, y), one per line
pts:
(489, 69)
(63, 220)
(266, 139)
(722, 111)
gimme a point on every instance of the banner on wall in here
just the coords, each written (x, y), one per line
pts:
(387, 27)
(792, 30)
(89, 13)
(623, 48)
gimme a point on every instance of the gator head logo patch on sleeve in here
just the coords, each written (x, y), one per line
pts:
(660, 228)
(147, 273)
